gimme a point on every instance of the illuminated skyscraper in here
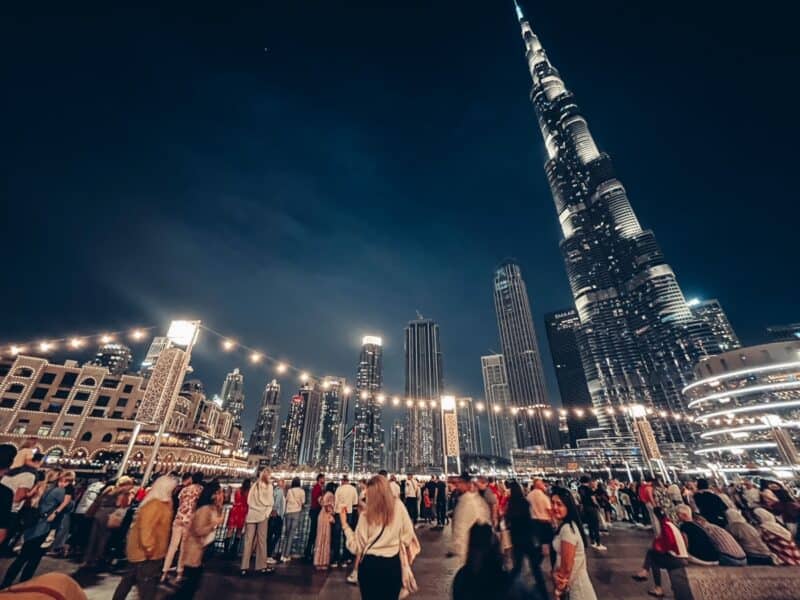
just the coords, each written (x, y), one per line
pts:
(502, 439)
(469, 441)
(117, 358)
(525, 376)
(637, 337)
(292, 432)
(264, 437)
(711, 312)
(312, 424)
(368, 443)
(423, 385)
(396, 460)
(232, 395)
(332, 424)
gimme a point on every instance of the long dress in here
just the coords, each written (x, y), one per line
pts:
(322, 546)
(580, 586)
(238, 511)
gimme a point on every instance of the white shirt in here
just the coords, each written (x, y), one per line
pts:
(411, 488)
(346, 496)
(470, 509)
(20, 480)
(259, 501)
(753, 497)
(400, 529)
(540, 505)
(395, 487)
(295, 498)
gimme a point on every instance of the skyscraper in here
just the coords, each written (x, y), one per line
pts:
(332, 426)
(423, 365)
(562, 327)
(468, 434)
(292, 432)
(711, 312)
(502, 438)
(264, 436)
(312, 423)
(523, 362)
(368, 443)
(232, 395)
(117, 358)
(638, 338)
(396, 461)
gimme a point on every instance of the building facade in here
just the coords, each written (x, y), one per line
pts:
(424, 385)
(332, 424)
(292, 432)
(638, 338)
(84, 417)
(232, 395)
(711, 312)
(562, 327)
(469, 441)
(312, 420)
(117, 358)
(368, 442)
(396, 460)
(502, 438)
(158, 344)
(524, 372)
(263, 440)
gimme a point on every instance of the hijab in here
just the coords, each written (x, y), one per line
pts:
(768, 523)
(161, 490)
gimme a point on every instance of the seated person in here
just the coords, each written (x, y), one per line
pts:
(668, 552)
(758, 553)
(731, 553)
(701, 549)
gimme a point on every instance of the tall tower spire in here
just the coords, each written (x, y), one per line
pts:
(520, 16)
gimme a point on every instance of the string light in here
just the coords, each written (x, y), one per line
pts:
(137, 334)
(421, 403)
(280, 368)
(106, 339)
(76, 342)
(228, 345)
(255, 357)
(479, 406)
(433, 403)
(46, 346)
(396, 401)
(347, 390)
(304, 377)
(16, 350)
(409, 403)
(363, 395)
(496, 408)
(381, 398)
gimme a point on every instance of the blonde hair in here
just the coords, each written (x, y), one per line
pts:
(380, 501)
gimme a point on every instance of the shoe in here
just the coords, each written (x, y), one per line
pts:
(600, 547)
(655, 594)
(334, 565)
(164, 576)
(638, 577)
(285, 559)
(353, 578)
(243, 573)
(267, 571)
(271, 561)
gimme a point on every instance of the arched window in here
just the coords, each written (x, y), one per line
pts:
(89, 382)
(87, 437)
(107, 437)
(23, 372)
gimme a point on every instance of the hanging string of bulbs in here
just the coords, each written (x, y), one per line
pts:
(281, 367)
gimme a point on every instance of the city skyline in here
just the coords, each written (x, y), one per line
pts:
(449, 284)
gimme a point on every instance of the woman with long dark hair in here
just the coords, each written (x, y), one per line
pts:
(482, 576)
(524, 538)
(570, 574)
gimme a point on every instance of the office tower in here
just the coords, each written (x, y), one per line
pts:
(263, 438)
(368, 443)
(423, 365)
(562, 327)
(232, 395)
(711, 312)
(784, 333)
(502, 438)
(292, 431)
(525, 376)
(158, 344)
(332, 424)
(638, 338)
(468, 440)
(117, 358)
(312, 423)
(396, 462)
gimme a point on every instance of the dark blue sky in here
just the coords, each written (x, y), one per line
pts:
(377, 159)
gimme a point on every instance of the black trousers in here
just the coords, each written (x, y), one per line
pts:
(413, 509)
(191, 583)
(274, 529)
(313, 517)
(655, 561)
(380, 578)
(523, 549)
(441, 513)
(144, 575)
(336, 541)
(27, 561)
(593, 523)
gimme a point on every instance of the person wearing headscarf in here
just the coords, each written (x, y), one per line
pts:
(148, 540)
(757, 551)
(778, 538)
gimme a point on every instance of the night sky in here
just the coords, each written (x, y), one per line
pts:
(300, 174)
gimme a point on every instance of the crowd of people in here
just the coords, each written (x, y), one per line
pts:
(161, 533)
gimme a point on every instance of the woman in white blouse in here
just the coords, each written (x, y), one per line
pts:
(384, 530)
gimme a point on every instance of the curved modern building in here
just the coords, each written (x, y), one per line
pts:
(747, 402)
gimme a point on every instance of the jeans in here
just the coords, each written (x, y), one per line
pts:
(380, 578)
(313, 517)
(274, 528)
(144, 575)
(290, 523)
(655, 561)
(592, 520)
(27, 561)
(255, 532)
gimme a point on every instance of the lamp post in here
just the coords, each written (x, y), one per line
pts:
(450, 431)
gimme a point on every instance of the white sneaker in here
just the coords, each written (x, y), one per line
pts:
(600, 547)
(271, 561)
(353, 577)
